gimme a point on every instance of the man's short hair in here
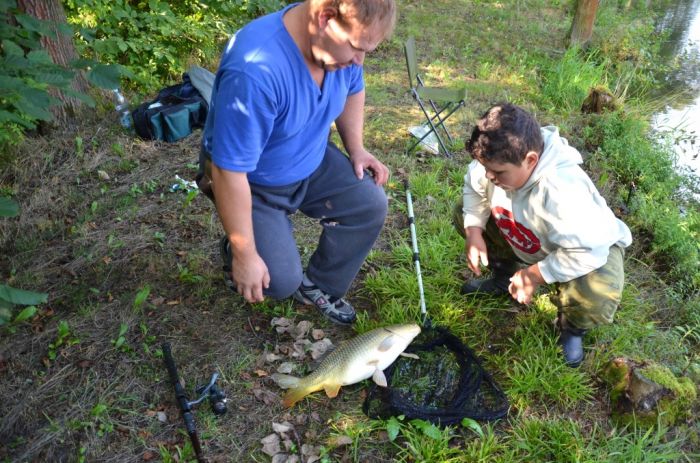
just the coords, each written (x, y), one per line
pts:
(365, 12)
(505, 133)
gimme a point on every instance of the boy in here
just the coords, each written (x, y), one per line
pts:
(527, 201)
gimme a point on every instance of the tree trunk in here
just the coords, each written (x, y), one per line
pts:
(61, 50)
(582, 26)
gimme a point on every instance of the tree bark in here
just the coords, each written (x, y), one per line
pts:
(582, 26)
(61, 50)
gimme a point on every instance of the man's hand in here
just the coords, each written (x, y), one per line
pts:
(250, 275)
(362, 159)
(475, 249)
(524, 283)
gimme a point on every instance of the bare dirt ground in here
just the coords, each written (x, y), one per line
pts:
(100, 229)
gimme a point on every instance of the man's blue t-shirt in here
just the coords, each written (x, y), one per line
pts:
(268, 117)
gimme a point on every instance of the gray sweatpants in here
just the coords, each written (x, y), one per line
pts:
(352, 214)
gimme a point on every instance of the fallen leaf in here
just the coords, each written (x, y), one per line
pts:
(162, 417)
(269, 358)
(107, 260)
(280, 458)
(103, 175)
(320, 347)
(261, 373)
(148, 455)
(300, 348)
(173, 302)
(265, 396)
(157, 300)
(311, 452)
(302, 329)
(84, 363)
(338, 441)
(282, 427)
(271, 444)
(285, 368)
(317, 334)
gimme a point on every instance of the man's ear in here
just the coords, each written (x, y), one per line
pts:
(531, 159)
(326, 14)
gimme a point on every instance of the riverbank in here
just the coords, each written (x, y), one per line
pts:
(129, 263)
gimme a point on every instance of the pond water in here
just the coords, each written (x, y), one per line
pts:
(682, 116)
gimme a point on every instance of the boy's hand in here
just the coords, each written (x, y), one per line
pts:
(475, 249)
(524, 283)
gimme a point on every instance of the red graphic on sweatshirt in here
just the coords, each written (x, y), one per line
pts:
(515, 233)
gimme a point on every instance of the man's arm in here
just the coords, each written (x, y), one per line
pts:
(234, 205)
(350, 125)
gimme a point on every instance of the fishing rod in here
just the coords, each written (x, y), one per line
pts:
(216, 396)
(416, 255)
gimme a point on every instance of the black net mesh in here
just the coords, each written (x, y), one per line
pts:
(445, 384)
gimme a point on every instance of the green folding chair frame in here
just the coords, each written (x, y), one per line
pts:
(437, 104)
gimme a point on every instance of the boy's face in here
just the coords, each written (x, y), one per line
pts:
(507, 175)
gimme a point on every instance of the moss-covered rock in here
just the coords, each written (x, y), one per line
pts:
(647, 392)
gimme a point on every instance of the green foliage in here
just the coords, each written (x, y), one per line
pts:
(9, 296)
(645, 172)
(64, 338)
(27, 73)
(567, 81)
(157, 40)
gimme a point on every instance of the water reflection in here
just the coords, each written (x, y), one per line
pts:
(682, 22)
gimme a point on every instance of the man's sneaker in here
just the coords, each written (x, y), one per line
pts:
(227, 257)
(336, 309)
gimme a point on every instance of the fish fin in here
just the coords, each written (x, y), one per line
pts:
(285, 381)
(294, 395)
(331, 389)
(386, 343)
(409, 355)
(379, 378)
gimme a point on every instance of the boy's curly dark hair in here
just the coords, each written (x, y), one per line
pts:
(505, 133)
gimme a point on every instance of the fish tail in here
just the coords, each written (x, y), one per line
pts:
(294, 395)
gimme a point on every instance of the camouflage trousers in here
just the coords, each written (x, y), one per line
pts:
(584, 302)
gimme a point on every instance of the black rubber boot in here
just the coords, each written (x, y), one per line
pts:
(571, 342)
(497, 284)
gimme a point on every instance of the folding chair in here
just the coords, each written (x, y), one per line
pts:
(443, 101)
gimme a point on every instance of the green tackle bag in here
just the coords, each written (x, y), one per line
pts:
(177, 110)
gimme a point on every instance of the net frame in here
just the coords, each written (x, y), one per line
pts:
(477, 395)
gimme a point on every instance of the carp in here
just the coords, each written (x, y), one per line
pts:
(354, 360)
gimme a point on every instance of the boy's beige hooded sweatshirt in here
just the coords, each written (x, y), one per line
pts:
(557, 219)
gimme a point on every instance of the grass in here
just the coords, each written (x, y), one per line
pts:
(129, 264)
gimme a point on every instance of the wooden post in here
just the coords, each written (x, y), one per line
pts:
(582, 26)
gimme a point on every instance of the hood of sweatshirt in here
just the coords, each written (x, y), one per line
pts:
(553, 143)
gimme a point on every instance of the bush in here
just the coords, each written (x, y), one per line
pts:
(155, 40)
